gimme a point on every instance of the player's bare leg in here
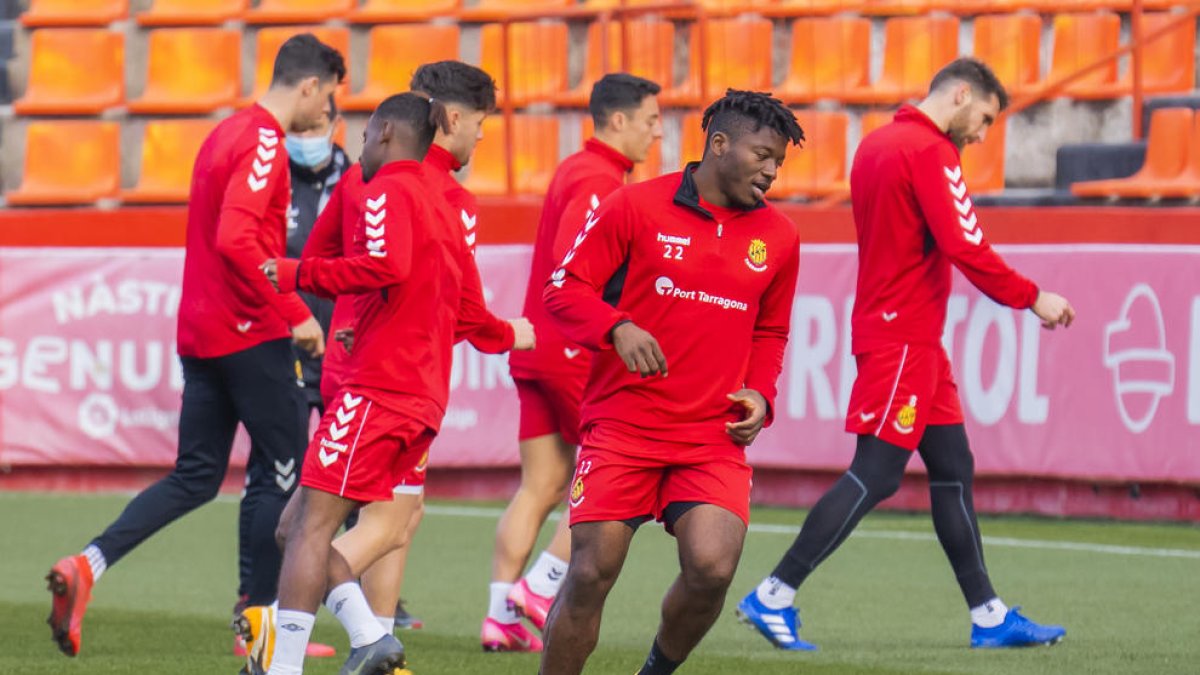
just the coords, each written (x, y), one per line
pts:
(382, 528)
(383, 578)
(547, 464)
(710, 545)
(598, 552)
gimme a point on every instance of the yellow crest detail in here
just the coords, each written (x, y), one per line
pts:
(907, 416)
(757, 252)
(577, 489)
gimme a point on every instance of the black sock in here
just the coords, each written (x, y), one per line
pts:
(657, 663)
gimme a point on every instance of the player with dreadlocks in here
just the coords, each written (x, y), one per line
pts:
(696, 270)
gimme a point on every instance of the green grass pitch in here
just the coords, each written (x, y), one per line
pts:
(1129, 595)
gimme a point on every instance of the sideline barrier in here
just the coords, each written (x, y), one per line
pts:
(88, 376)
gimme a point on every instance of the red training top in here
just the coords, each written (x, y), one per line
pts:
(581, 181)
(438, 164)
(414, 295)
(714, 288)
(914, 218)
(237, 219)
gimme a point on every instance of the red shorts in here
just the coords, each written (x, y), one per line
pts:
(550, 406)
(363, 450)
(620, 476)
(899, 391)
(413, 480)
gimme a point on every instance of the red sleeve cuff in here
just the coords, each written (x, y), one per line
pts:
(287, 270)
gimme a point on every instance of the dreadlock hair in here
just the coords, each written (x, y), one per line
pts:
(423, 115)
(740, 112)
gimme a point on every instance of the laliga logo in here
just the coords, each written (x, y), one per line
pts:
(664, 285)
(1135, 348)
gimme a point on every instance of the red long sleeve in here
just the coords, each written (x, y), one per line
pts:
(573, 293)
(387, 261)
(941, 191)
(771, 329)
(244, 216)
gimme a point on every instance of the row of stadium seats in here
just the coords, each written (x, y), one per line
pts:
(211, 12)
(1171, 169)
(78, 162)
(80, 71)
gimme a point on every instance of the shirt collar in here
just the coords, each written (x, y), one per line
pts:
(688, 195)
(911, 113)
(441, 159)
(398, 167)
(609, 153)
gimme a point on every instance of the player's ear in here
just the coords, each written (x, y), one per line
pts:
(719, 143)
(387, 130)
(618, 120)
(310, 86)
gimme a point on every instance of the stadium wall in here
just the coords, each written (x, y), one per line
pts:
(1104, 427)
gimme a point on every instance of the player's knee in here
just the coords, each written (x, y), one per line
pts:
(588, 574)
(709, 576)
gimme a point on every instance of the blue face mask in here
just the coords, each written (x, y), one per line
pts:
(310, 151)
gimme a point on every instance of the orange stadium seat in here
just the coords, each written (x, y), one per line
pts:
(1167, 148)
(1186, 184)
(983, 163)
(392, 60)
(192, 12)
(74, 71)
(1079, 40)
(897, 7)
(830, 56)
(733, 56)
(537, 65)
(819, 167)
(788, 8)
(651, 54)
(493, 10)
(914, 49)
(1168, 62)
(651, 168)
(69, 162)
(43, 13)
(1011, 45)
(873, 119)
(298, 11)
(691, 138)
(191, 70)
(397, 11)
(535, 141)
(271, 39)
(169, 149)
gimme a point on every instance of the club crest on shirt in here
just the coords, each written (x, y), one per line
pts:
(906, 417)
(756, 255)
(577, 492)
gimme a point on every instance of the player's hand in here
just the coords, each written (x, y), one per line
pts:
(1054, 310)
(309, 337)
(524, 339)
(346, 337)
(639, 350)
(271, 269)
(754, 407)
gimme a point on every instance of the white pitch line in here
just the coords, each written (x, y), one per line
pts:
(896, 535)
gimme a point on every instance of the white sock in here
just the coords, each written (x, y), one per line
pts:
(349, 605)
(95, 558)
(498, 605)
(775, 594)
(990, 614)
(388, 623)
(546, 575)
(292, 630)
